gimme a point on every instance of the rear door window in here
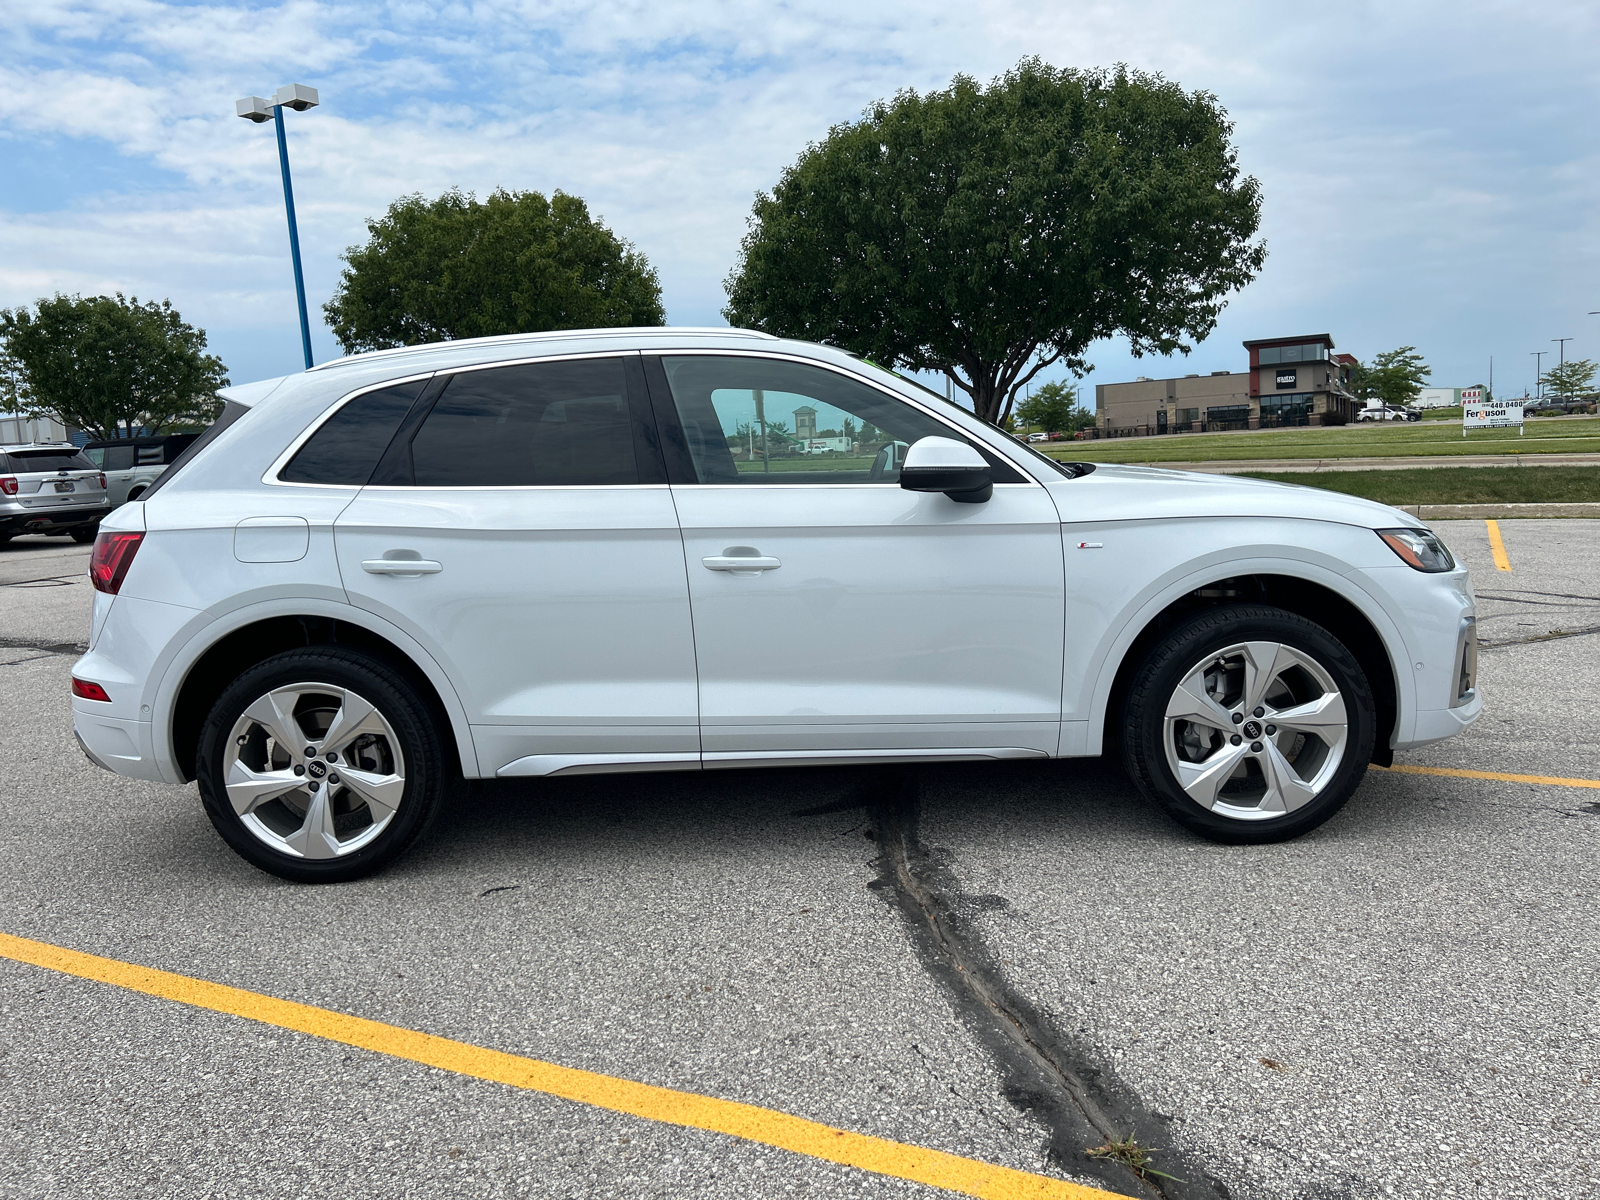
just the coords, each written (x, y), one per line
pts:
(349, 443)
(118, 458)
(532, 425)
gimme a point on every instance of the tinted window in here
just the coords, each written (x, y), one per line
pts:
(350, 442)
(118, 458)
(148, 456)
(561, 423)
(49, 460)
(757, 420)
(172, 447)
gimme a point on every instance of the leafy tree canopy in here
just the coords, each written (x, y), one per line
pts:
(458, 267)
(988, 232)
(1054, 408)
(1571, 378)
(110, 366)
(1395, 376)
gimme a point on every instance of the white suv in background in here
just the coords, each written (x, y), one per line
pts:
(620, 550)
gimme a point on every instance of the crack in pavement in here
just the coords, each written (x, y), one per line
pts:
(1062, 1085)
(72, 648)
(57, 580)
(1551, 636)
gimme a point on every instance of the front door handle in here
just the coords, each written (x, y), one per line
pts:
(740, 560)
(401, 566)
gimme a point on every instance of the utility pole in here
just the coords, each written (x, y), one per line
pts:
(1538, 371)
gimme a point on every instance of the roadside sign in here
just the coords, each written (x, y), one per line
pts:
(1491, 414)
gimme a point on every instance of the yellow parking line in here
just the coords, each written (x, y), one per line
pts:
(916, 1163)
(1460, 773)
(1497, 547)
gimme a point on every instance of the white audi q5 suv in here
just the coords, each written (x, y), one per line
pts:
(659, 549)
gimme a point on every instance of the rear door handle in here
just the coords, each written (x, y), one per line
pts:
(740, 560)
(401, 566)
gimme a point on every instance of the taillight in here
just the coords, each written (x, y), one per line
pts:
(89, 691)
(102, 481)
(113, 555)
(8, 485)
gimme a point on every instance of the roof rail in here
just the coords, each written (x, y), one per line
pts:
(512, 339)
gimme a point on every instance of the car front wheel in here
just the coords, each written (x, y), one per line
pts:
(321, 765)
(1249, 724)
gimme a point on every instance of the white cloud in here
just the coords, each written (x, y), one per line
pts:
(1418, 160)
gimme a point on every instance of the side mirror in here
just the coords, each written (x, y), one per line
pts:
(941, 464)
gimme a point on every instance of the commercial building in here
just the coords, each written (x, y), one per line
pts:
(1289, 381)
(1448, 397)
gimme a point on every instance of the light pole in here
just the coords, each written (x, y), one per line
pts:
(1562, 349)
(253, 108)
(1538, 372)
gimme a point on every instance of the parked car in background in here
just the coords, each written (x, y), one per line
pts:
(1388, 412)
(539, 555)
(132, 464)
(50, 489)
(1553, 406)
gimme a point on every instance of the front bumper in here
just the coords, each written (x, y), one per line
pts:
(14, 519)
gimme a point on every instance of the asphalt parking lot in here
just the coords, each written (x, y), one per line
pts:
(1402, 1003)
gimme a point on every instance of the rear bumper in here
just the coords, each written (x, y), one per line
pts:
(22, 520)
(126, 747)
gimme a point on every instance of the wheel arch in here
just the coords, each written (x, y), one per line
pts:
(225, 649)
(1357, 627)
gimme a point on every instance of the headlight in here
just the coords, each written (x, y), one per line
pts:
(1419, 548)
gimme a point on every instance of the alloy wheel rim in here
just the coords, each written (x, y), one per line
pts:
(1255, 731)
(314, 770)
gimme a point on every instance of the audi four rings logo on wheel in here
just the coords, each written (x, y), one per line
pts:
(692, 550)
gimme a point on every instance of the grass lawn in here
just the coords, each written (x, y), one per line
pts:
(1456, 485)
(1569, 435)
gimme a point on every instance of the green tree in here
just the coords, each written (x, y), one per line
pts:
(458, 267)
(110, 366)
(989, 232)
(1054, 409)
(1571, 378)
(1394, 377)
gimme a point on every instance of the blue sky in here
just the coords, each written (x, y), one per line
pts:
(1431, 171)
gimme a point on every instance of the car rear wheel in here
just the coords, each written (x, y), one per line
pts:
(1249, 724)
(86, 533)
(321, 765)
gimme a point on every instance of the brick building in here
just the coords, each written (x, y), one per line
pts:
(1289, 381)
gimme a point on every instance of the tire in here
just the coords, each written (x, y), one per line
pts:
(334, 829)
(1237, 668)
(86, 534)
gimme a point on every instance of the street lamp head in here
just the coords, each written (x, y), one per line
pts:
(296, 96)
(254, 108)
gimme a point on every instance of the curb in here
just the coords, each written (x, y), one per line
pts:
(1491, 512)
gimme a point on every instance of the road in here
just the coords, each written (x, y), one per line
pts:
(1402, 1003)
